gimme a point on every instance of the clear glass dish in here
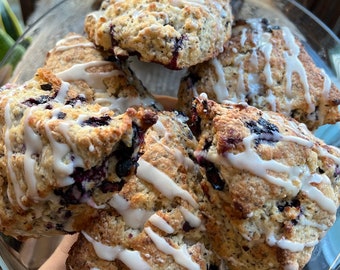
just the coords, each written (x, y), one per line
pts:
(68, 16)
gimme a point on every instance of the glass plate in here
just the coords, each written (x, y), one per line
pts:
(68, 16)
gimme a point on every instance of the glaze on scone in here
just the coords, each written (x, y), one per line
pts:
(268, 68)
(59, 155)
(174, 33)
(97, 74)
(155, 222)
(272, 187)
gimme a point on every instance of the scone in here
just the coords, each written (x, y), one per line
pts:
(272, 187)
(176, 34)
(267, 67)
(155, 222)
(101, 77)
(60, 155)
(164, 243)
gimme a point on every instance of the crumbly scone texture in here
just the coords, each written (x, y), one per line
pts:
(177, 34)
(159, 221)
(269, 68)
(98, 74)
(272, 187)
(58, 155)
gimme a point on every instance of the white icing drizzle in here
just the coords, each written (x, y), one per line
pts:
(33, 146)
(193, 220)
(220, 86)
(134, 217)
(180, 255)
(184, 160)
(323, 152)
(62, 93)
(253, 84)
(67, 39)
(17, 189)
(92, 203)
(60, 45)
(293, 64)
(305, 222)
(62, 164)
(271, 99)
(254, 59)
(68, 47)
(160, 223)
(315, 194)
(162, 182)
(95, 80)
(161, 130)
(64, 128)
(296, 139)
(249, 160)
(180, 158)
(132, 259)
(299, 178)
(266, 49)
(288, 244)
(243, 36)
(258, 37)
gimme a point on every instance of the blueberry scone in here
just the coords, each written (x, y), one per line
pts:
(165, 242)
(60, 155)
(176, 34)
(97, 74)
(272, 187)
(155, 221)
(267, 67)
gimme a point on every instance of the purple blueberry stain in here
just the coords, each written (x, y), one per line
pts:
(294, 203)
(125, 167)
(127, 158)
(337, 171)
(46, 87)
(187, 227)
(266, 131)
(37, 101)
(76, 100)
(195, 123)
(97, 121)
(211, 171)
(107, 186)
(61, 115)
(85, 183)
(178, 45)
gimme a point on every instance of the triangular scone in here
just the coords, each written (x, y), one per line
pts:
(272, 188)
(155, 221)
(268, 68)
(59, 155)
(97, 74)
(176, 34)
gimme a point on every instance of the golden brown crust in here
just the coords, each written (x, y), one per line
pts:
(168, 147)
(270, 69)
(272, 187)
(97, 74)
(57, 153)
(176, 34)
